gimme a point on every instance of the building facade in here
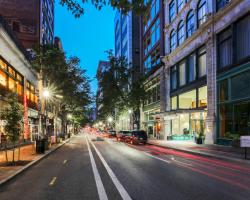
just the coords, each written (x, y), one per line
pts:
(17, 76)
(152, 50)
(199, 83)
(127, 45)
(32, 21)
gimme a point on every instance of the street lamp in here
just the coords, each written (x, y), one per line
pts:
(110, 119)
(46, 94)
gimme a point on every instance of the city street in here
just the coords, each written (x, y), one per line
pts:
(90, 168)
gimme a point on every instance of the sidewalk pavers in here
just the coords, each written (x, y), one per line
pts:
(28, 157)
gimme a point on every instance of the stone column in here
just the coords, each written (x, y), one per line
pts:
(210, 128)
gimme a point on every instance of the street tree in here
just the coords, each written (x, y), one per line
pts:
(67, 77)
(77, 8)
(119, 91)
(13, 115)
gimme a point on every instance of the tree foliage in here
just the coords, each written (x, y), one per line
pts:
(124, 6)
(119, 91)
(66, 76)
(13, 116)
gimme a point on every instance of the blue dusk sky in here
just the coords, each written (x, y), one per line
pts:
(88, 37)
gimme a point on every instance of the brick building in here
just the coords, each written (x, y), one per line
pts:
(32, 20)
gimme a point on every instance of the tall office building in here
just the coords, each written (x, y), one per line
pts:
(127, 40)
(31, 20)
(152, 50)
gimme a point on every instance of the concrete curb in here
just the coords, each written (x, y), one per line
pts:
(203, 154)
(18, 172)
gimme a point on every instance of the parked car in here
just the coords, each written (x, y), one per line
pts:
(111, 133)
(120, 136)
(137, 137)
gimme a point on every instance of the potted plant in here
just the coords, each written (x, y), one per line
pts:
(200, 138)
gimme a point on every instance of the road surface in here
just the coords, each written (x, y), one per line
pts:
(86, 168)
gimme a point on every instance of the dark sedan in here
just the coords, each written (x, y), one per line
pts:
(137, 137)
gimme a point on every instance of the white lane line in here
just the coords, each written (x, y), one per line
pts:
(124, 194)
(100, 188)
(166, 161)
(52, 182)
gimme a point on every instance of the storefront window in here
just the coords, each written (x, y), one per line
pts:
(3, 78)
(182, 73)
(223, 91)
(184, 124)
(240, 86)
(202, 65)
(11, 71)
(202, 96)
(19, 89)
(173, 103)
(12, 85)
(187, 100)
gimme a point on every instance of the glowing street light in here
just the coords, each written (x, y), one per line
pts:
(46, 94)
(129, 111)
(110, 119)
(69, 116)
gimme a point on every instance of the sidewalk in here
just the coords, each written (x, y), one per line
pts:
(28, 157)
(217, 151)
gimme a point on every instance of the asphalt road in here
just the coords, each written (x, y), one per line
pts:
(86, 168)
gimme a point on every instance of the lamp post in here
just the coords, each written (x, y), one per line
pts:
(130, 113)
(46, 95)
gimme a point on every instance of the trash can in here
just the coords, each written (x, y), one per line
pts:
(40, 146)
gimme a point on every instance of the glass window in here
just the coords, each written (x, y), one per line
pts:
(172, 40)
(190, 23)
(202, 62)
(28, 94)
(225, 48)
(187, 100)
(12, 85)
(225, 121)
(171, 11)
(240, 86)
(173, 77)
(202, 96)
(158, 93)
(3, 65)
(19, 89)
(223, 91)
(243, 38)
(221, 3)
(202, 12)
(11, 71)
(180, 5)
(181, 33)
(191, 68)
(182, 73)
(173, 103)
(3, 78)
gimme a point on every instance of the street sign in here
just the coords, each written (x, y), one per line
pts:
(245, 141)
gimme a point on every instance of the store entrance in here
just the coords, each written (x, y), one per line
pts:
(197, 126)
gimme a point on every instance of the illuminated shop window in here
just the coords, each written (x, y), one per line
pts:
(3, 78)
(173, 103)
(187, 100)
(202, 97)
